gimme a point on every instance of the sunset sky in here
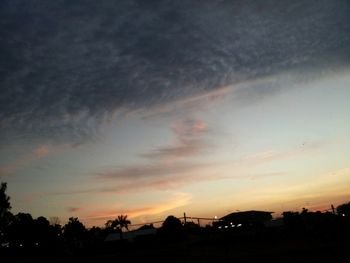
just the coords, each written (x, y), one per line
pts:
(156, 108)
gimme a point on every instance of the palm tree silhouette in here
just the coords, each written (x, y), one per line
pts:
(119, 223)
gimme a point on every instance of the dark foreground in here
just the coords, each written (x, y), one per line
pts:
(201, 247)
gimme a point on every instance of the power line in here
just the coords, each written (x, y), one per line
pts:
(180, 218)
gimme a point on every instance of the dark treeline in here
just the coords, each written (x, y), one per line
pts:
(308, 234)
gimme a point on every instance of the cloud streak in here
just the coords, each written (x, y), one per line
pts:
(168, 166)
(74, 209)
(135, 180)
(101, 216)
(171, 175)
(189, 141)
(152, 170)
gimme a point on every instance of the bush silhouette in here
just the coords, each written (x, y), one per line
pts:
(171, 228)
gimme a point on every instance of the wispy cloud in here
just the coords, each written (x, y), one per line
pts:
(40, 152)
(329, 186)
(133, 180)
(175, 173)
(100, 217)
(188, 141)
(74, 209)
(266, 156)
(169, 165)
(150, 171)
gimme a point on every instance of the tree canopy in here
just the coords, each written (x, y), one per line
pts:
(119, 223)
(4, 200)
(5, 207)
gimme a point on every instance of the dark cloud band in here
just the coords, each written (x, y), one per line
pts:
(66, 66)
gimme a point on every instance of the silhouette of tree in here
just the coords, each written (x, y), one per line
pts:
(42, 231)
(5, 214)
(304, 211)
(119, 223)
(22, 230)
(122, 222)
(172, 222)
(42, 222)
(96, 235)
(55, 220)
(110, 225)
(4, 200)
(55, 229)
(74, 232)
(171, 228)
(55, 234)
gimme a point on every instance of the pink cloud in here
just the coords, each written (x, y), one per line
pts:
(38, 153)
(179, 150)
(164, 169)
(173, 174)
(188, 128)
(45, 150)
(167, 168)
(132, 180)
(74, 209)
(100, 217)
(188, 141)
(41, 151)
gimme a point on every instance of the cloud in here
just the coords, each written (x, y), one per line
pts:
(189, 141)
(74, 209)
(174, 173)
(101, 216)
(188, 128)
(168, 166)
(134, 180)
(152, 170)
(38, 153)
(189, 149)
(42, 151)
(66, 68)
(327, 186)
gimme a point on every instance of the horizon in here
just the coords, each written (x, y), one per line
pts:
(160, 108)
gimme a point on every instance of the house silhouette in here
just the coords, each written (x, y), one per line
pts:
(245, 219)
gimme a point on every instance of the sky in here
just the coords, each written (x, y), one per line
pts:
(156, 108)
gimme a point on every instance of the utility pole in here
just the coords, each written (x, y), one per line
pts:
(333, 210)
(185, 218)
